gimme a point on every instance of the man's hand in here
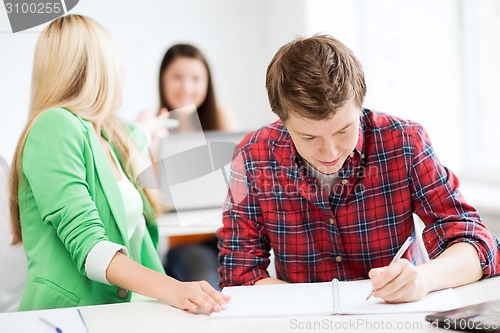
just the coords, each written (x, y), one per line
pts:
(399, 282)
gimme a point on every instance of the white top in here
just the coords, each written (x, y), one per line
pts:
(132, 201)
(102, 253)
(13, 265)
(327, 181)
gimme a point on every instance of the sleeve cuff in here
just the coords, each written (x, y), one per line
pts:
(99, 258)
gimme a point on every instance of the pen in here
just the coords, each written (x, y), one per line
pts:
(48, 323)
(398, 256)
(83, 321)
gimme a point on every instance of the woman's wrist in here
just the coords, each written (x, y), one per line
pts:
(168, 288)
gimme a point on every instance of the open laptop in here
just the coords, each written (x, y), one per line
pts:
(194, 168)
(482, 317)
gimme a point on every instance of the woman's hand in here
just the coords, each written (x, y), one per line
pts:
(196, 297)
(399, 282)
(154, 125)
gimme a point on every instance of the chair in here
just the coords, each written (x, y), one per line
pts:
(13, 265)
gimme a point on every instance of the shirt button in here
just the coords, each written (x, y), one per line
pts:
(351, 154)
(362, 155)
(338, 258)
(332, 220)
(344, 181)
(122, 293)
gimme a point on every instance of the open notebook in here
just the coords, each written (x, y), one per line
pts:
(324, 298)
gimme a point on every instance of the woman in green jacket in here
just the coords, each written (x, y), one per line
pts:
(89, 231)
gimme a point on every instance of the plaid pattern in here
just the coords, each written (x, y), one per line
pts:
(273, 202)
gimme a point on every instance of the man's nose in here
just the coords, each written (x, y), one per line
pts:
(328, 150)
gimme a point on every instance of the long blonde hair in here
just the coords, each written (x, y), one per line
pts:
(76, 67)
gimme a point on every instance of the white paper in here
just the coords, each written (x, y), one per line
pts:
(67, 319)
(278, 300)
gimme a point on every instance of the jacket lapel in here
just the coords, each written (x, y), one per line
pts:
(108, 183)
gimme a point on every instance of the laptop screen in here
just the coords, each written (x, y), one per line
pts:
(194, 168)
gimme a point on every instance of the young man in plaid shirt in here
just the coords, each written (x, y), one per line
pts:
(331, 188)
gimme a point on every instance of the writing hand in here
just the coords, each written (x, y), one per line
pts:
(399, 282)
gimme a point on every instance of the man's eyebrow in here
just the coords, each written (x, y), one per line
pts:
(346, 126)
(340, 130)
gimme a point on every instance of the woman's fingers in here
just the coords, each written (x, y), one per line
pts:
(219, 298)
(201, 297)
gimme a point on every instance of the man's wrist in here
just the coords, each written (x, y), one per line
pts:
(428, 276)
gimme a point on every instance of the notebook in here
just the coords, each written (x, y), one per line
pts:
(324, 298)
(482, 317)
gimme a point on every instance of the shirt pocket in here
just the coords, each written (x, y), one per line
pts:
(300, 240)
(290, 238)
(53, 295)
(300, 229)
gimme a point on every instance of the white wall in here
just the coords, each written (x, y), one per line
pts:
(410, 54)
(239, 39)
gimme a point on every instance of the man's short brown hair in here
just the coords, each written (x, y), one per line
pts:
(313, 77)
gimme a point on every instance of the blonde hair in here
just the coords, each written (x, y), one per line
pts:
(76, 67)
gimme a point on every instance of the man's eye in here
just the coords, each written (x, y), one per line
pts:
(308, 138)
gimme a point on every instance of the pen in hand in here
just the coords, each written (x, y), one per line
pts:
(398, 256)
(52, 326)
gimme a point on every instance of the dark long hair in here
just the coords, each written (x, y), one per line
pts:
(208, 111)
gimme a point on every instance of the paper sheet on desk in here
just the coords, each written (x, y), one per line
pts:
(67, 319)
(278, 300)
(319, 299)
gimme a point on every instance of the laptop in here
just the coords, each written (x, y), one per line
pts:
(482, 317)
(194, 168)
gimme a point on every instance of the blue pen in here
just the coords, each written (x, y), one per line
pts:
(398, 256)
(48, 323)
(83, 321)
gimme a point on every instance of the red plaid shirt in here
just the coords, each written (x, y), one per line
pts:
(274, 203)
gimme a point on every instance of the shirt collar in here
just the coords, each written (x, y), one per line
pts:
(360, 146)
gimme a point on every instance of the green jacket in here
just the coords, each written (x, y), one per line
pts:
(69, 200)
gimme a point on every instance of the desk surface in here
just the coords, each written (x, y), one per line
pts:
(189, 222)
(157, 317)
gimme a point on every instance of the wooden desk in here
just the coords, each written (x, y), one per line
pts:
(157, 317)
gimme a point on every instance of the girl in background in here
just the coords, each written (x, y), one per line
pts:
(185, 79)
(185, 86)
